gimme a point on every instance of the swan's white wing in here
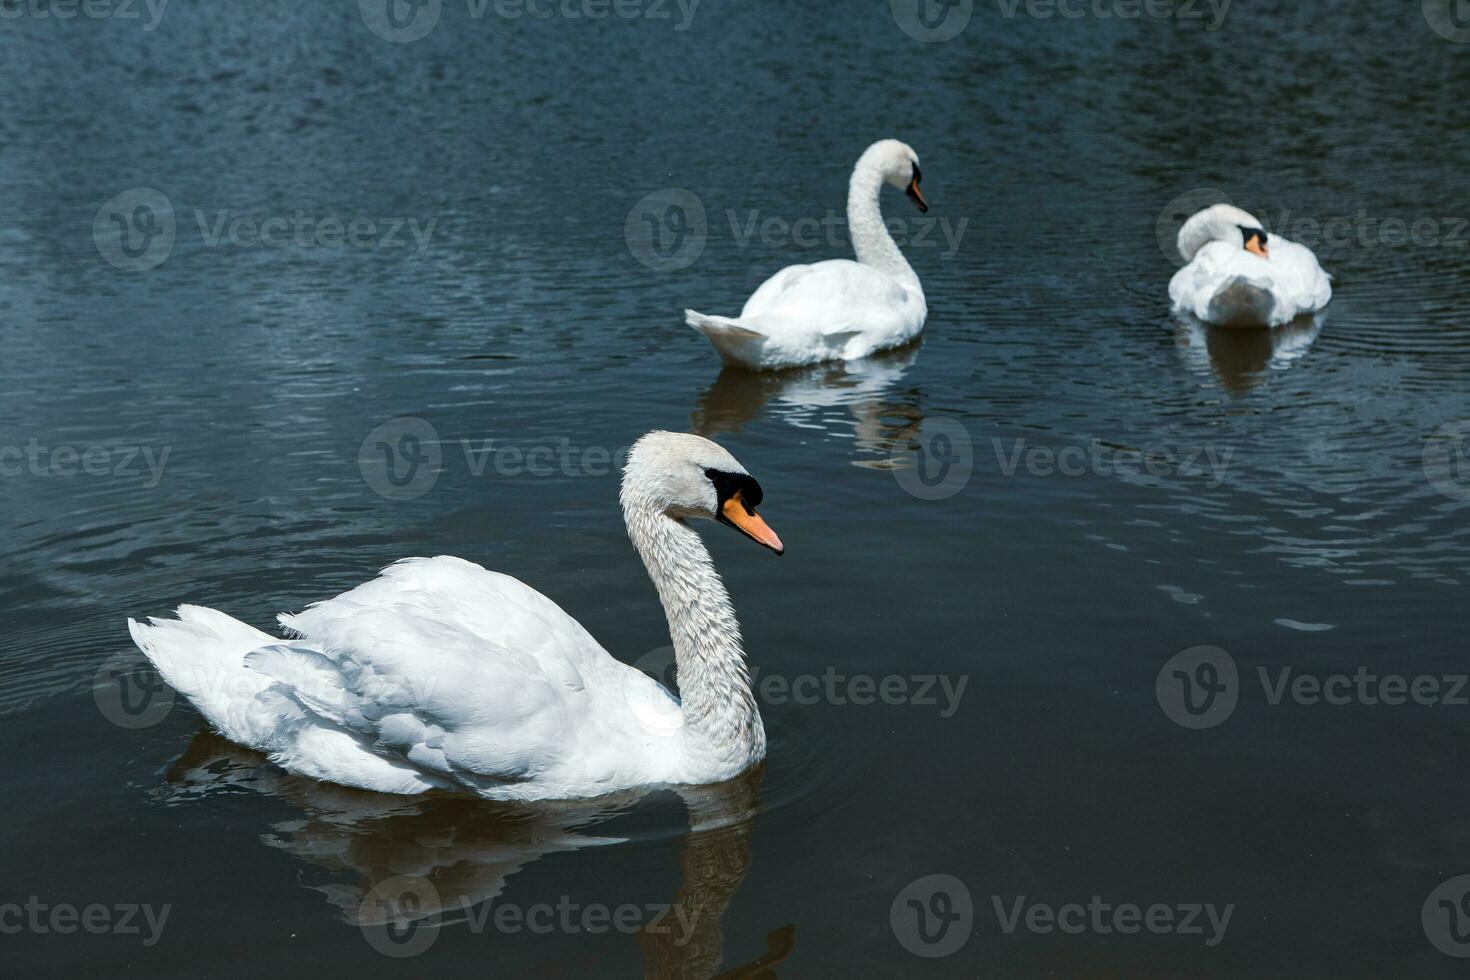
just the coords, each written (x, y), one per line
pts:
(832, 297)
(805, 314)
(1300, 280)
(1226, 284)
(436, 674)
(468, 676)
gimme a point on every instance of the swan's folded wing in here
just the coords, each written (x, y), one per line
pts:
(457, 670)
(840, 295)
(1292, 277)
(1300, 279)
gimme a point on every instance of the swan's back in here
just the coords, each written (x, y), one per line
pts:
(1229, 286)
(437, 674)
(805, 314)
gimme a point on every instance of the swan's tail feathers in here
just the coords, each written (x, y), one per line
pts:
(1242, 303)
(202, 656)
(737, 343)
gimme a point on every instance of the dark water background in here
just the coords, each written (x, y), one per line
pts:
(529, 319)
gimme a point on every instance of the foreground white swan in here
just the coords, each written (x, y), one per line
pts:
(439, 674)
(840, 309)
(1239, 275)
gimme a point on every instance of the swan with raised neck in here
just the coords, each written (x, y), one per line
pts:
(672, 478)
(440, 674)
(838, 309)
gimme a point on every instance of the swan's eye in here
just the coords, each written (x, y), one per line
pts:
(729, 484)
(918, 174)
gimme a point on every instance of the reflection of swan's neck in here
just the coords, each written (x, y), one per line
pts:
(870, 238)
(714, 685)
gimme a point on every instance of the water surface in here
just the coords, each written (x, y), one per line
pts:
(232, 387)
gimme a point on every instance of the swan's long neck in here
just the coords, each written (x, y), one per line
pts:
(714, 684)
(1221, 223)
(870, 238)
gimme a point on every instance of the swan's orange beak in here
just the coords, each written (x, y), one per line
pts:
(1257, 247)
(743, 518)
(917, 196)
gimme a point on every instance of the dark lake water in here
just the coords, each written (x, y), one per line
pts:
(1011, 528)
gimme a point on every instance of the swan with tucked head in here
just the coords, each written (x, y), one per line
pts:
(1239, 274)
(440, 674)
(839, 309)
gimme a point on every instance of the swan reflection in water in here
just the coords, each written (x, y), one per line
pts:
(428, 862)
(813, 397)
(1242, 357)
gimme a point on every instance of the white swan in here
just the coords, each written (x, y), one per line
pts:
(1238, 275)
(840, 309)
(440, 674)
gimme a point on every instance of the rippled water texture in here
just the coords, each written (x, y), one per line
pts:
(1059, 489)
